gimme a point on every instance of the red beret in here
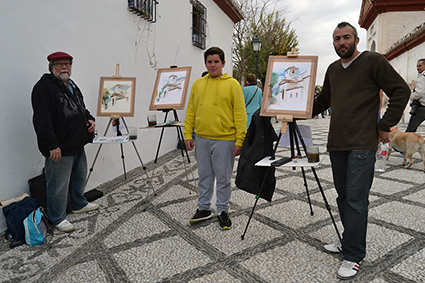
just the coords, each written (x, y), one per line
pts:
(59, 55)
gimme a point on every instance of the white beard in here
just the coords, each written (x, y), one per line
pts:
(64, 77)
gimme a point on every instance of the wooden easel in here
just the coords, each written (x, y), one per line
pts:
(180, 136)
(114, 118)
(294, 131)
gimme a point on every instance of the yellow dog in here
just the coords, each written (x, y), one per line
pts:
(408, 144)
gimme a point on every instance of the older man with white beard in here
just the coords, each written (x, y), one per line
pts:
(63, 127)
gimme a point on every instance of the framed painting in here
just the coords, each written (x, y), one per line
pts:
(116, 96)
(170, 88)
(289, 86)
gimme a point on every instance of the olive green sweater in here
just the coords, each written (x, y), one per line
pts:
(353, 94)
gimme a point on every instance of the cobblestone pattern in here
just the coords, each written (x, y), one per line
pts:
(134, 239)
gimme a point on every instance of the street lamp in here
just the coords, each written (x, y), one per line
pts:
(256, 45)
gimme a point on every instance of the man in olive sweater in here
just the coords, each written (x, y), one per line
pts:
(352, 85)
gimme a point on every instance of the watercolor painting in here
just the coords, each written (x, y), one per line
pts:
(289, 86)
(170, 88)
(116, 96)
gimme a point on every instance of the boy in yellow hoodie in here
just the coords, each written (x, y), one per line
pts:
(216, 113)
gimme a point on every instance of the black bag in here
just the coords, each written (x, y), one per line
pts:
(38, 191)
(15, 214)
(93, 195)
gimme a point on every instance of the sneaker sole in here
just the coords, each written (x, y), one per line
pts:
(84, 210)
(346, 278)
(193, 221)
(331, 252)
(226, 228)
(65, 230)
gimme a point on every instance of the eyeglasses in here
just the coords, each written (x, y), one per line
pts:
(60, 65)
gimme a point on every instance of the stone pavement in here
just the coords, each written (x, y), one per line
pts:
(124, 242)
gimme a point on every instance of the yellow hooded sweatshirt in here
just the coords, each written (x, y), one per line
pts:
(216, 110)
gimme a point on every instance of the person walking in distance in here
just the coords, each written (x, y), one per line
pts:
(418, 99)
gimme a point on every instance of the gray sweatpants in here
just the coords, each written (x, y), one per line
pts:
(215, 161)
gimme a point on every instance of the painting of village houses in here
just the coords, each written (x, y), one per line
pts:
(289, 86)
(116, 96)
(170, 88)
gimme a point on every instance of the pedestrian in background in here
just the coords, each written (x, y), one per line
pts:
(418, 99)
(253, 97)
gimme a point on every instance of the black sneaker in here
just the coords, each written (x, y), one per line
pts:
(224, 220)
(201, 215)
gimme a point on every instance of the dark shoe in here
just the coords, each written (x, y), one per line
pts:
(224, 220)
(201, 215)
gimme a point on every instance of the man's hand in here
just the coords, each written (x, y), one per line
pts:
(237, 150)
(384, 136)
(55, 154)
(189, 144)
(92, 125)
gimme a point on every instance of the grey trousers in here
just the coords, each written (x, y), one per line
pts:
(215, 161)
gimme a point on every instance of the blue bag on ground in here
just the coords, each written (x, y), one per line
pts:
(37, 227)
(15, 213)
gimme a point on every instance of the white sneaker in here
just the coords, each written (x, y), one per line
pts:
(65, 226)
(348, 269)
(90, 206)
(332, 248)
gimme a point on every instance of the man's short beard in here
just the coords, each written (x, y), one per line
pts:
(349, 53)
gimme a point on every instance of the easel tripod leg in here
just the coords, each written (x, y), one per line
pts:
(183, 150)
(256, 200)
(328, 207)
(123, 163)
(143, 166)
(308, 194)
(160, 138)
(295, 134)
(94, 161)
(97, 153)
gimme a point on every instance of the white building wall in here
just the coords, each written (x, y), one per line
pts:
(98, 34)
(390, 27)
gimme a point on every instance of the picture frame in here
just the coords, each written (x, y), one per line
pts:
(170, 88)
(116, 96)
(289, 86)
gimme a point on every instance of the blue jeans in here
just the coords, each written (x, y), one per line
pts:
(63, 178)
(353, 175)
(416, 120)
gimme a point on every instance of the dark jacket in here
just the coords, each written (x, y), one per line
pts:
(257, 145)
(60, 117)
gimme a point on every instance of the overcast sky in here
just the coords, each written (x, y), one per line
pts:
(314, 22)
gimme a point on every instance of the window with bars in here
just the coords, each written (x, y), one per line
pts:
(144, 8)
(199, 23)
